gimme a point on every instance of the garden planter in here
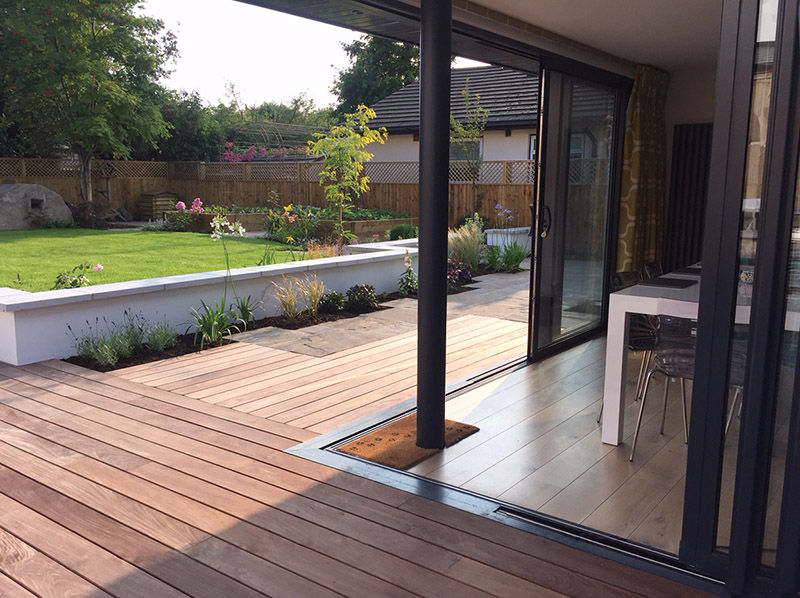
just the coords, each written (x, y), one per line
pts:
(201, 223)
(503, 236)
(363, 229)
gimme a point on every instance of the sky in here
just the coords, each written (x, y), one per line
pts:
(267, 55)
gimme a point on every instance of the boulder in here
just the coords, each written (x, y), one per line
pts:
(22, 204)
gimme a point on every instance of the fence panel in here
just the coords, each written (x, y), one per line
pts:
(393, 185)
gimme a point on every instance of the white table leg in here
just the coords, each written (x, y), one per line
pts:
(615, 374)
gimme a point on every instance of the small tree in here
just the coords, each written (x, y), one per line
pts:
(82, 75)
(342, 148)
(464, 134)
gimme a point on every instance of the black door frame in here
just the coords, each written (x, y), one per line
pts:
(622, 86)
(741, 566)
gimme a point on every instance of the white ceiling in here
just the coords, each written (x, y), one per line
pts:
(670, 34)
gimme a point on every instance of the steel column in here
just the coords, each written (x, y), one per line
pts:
(434, 154)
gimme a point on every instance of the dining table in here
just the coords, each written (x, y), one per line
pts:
(674, 294)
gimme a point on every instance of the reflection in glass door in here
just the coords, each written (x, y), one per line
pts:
(573, 213)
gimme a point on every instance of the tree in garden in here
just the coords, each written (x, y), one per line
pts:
(342, 149)
(466, 135)
(195, 135)
(378, 67)
(82, 75)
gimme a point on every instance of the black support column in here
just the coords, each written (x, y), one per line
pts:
(434, 150)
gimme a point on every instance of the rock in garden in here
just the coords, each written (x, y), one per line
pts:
(24, 205)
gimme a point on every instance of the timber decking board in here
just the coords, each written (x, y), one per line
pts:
(319, 393)
(193, 506)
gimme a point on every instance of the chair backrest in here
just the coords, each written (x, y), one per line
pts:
(675, 346)
(624, 279)
(653, 269)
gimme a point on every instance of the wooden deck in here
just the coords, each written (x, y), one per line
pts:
(110, 487)
(324, 393)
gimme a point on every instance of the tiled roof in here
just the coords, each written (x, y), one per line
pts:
(510, 96)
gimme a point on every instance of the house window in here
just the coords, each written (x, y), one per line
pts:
(466, 149)
(532, 146)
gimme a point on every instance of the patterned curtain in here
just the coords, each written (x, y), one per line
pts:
(641, 217)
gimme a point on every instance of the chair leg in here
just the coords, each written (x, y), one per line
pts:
(685, 417)
(737, 395)
(642, 371)
(600, 414)
(664, 408)
(641, 411)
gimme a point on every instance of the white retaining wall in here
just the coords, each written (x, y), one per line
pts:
(34, 326)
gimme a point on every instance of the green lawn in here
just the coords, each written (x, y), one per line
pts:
(39, 255)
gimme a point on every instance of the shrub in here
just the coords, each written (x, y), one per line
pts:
(72, 279)
(361, 298)
(465, 244)
(245, 308)
(494, 256)
(403, 231)
(458, 274)
(332, 303)
(160, 337)
(287, 294)
(312, 290)
(214, 322)
(512, 256)
(409, 284)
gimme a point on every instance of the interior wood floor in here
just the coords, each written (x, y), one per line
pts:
(110, 487)
(539, 447)
(324, 393)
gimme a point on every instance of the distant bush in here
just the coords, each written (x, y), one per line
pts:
(332, 303)
(403, 231)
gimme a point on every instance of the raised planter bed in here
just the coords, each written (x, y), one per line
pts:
(364, 229)
(501, 236)
(33, 326)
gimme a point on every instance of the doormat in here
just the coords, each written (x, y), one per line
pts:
(394, 445)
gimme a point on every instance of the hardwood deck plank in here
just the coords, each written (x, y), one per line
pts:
(334, 366)
(182, 361)
(240, 420)
(381, 538)
(39, 574)
(11, 589)
(85, 558)
(466, 568)
(213, 566)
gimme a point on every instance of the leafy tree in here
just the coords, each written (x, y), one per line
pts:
(195, 133)
(342, 149)
(83, 75)
(464, 135)
(378, 67)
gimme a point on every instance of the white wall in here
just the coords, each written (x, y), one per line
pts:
(496, 146)
(398, 148)
(690, 99)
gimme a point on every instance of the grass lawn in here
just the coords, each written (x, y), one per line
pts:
(39, 255)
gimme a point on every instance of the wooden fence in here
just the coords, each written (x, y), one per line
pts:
(393, 185)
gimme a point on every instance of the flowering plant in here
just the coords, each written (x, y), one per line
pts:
(458, 274)
(180, 206)
(197, 206)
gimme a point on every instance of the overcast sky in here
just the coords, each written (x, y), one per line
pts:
(267, 55)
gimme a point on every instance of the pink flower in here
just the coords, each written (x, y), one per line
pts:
(229, 144)
(180, 206)
(292, 218)
(98, 267)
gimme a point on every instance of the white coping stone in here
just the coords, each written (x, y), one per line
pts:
(33, 326)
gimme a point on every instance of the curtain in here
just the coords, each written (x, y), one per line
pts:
(642, 201)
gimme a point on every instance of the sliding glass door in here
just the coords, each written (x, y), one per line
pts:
(578, 149)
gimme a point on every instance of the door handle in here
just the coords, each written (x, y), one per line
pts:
(547, 221)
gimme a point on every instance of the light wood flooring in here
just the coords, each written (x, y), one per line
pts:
(110, 487)
(324, 393)
(539, 447)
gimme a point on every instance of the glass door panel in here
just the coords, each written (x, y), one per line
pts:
(574, 200)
